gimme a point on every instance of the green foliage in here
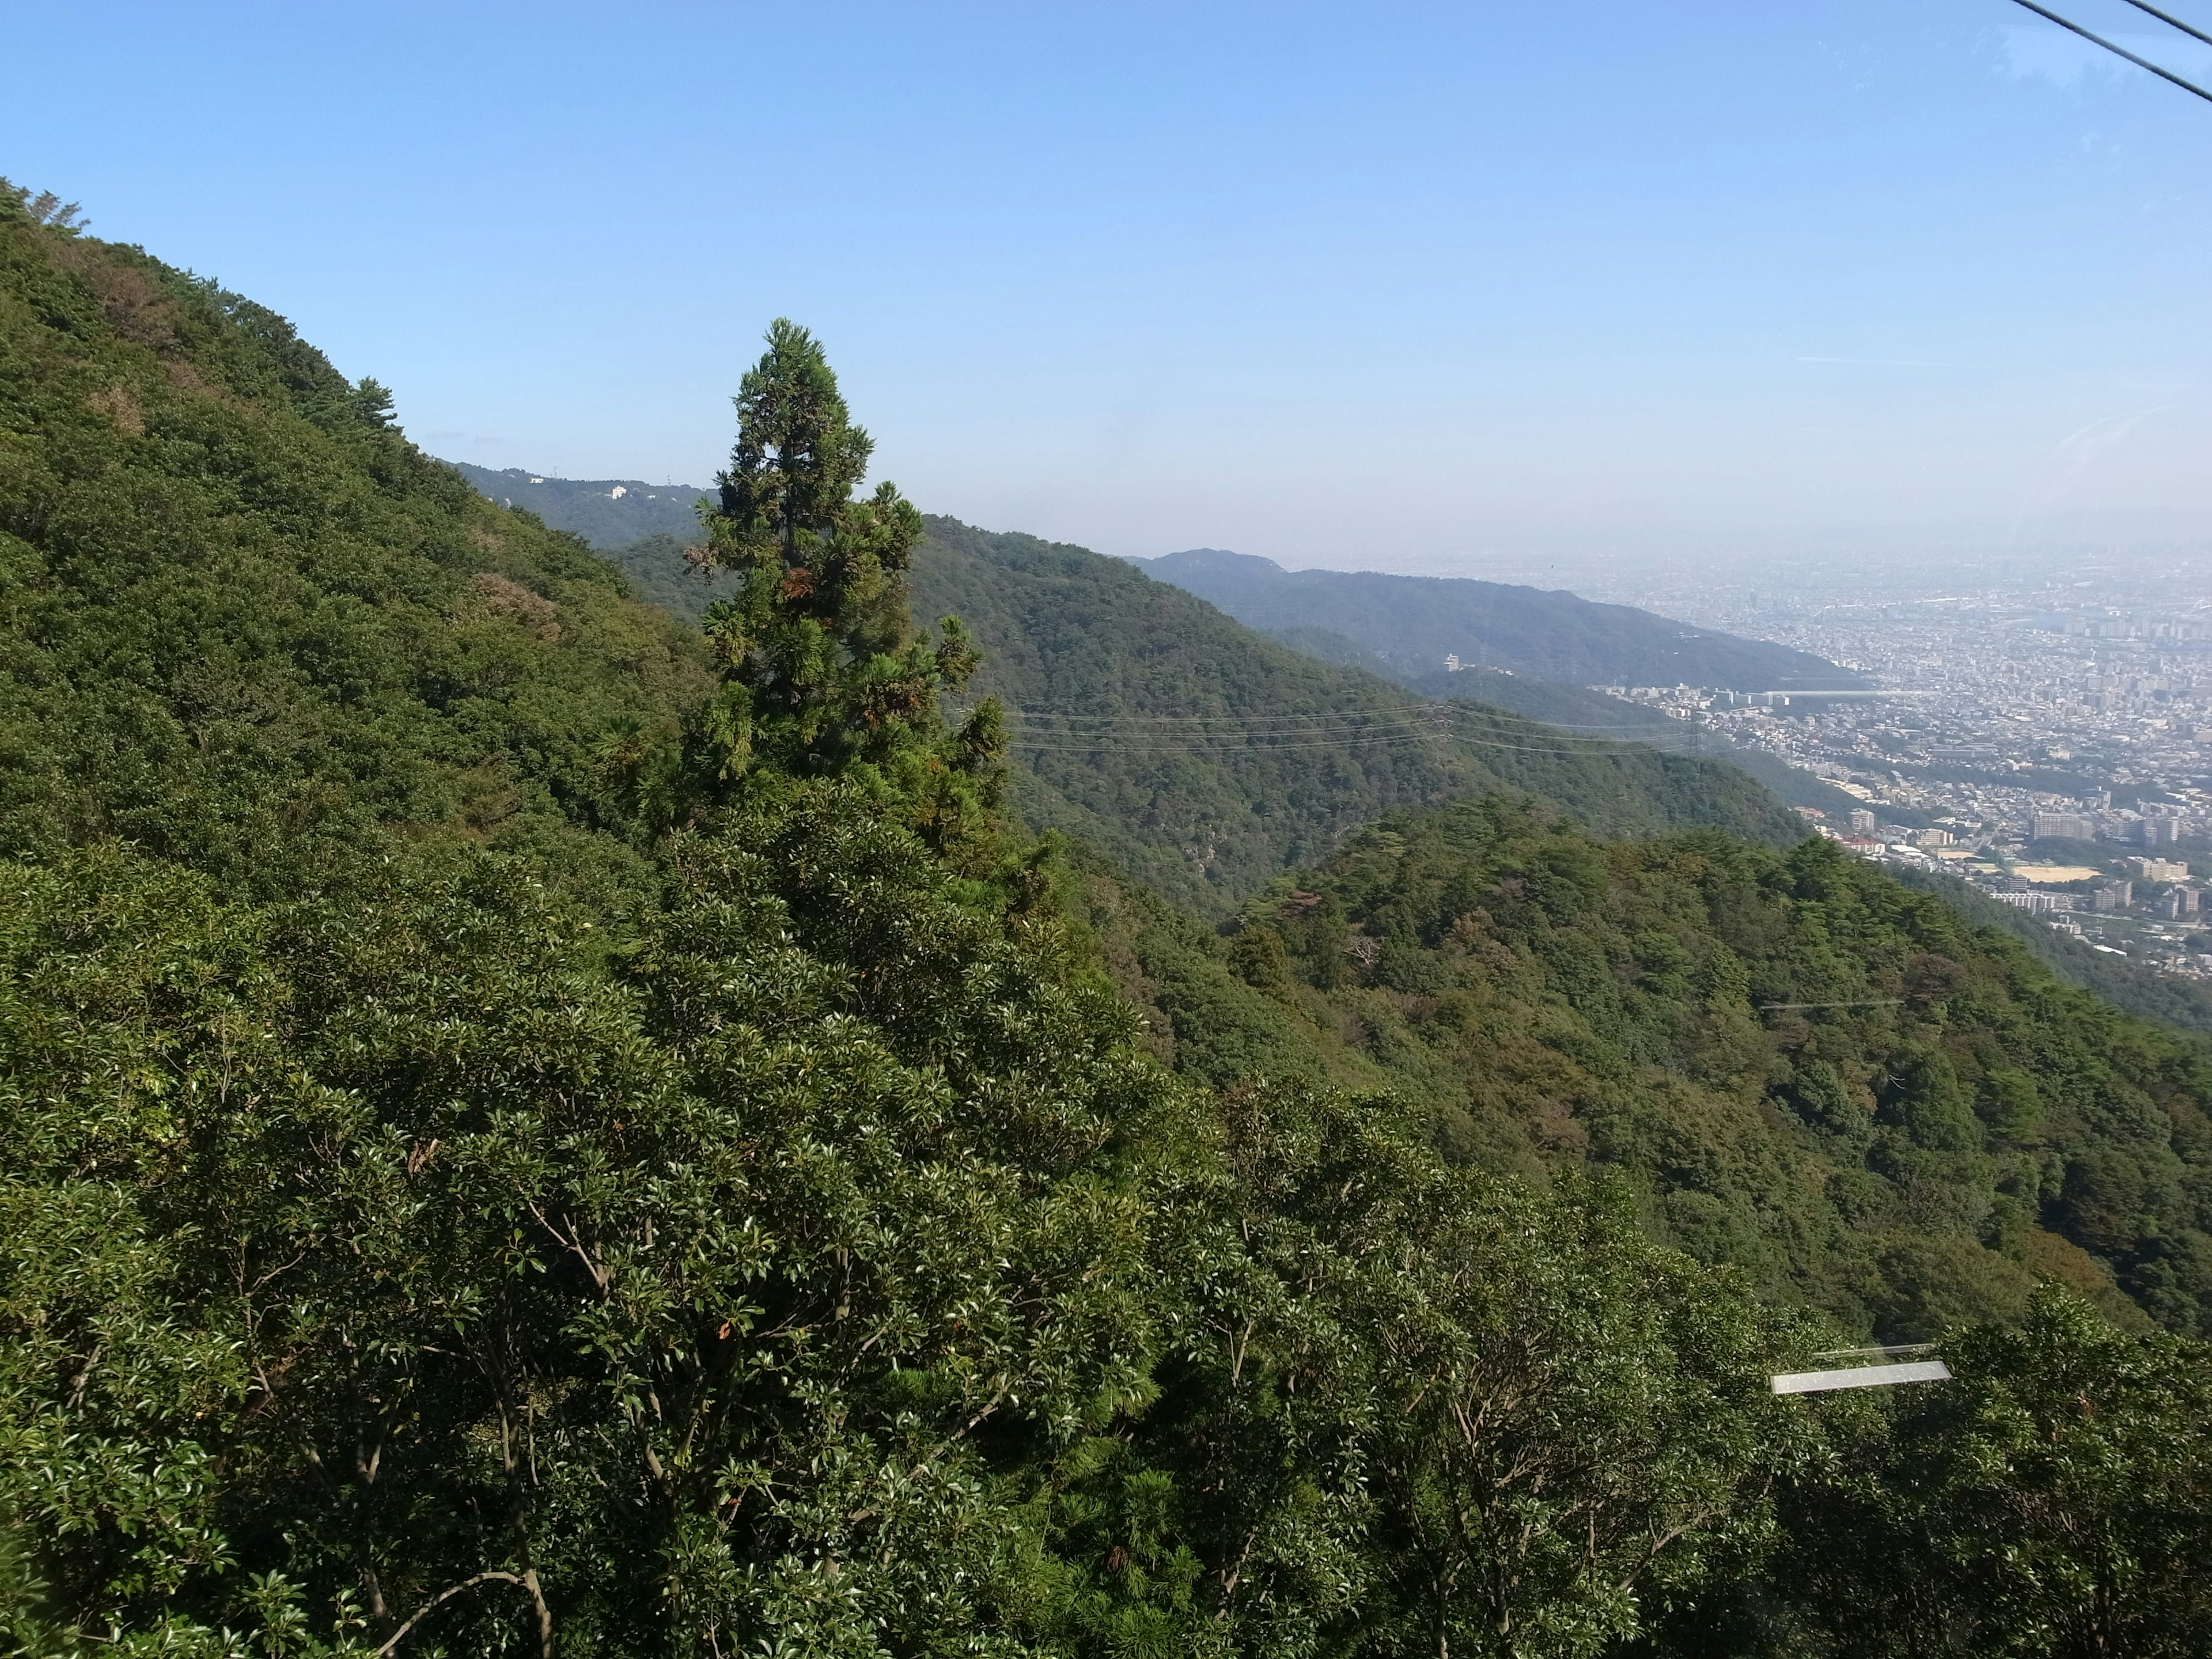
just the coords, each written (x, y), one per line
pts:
(821, 672)
(719, 1269)
(2135, 987)
(2055, 1500)
(520, 1134)
(1207, 823)
(1420, 1410)
(819, 666)
(243, 622)
(660, 576)
(1062, 628)
(1949, 1127)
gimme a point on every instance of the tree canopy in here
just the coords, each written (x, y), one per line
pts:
(821, 670)
(524, 1129)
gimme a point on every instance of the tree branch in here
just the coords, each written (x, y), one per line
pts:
(527, 1581)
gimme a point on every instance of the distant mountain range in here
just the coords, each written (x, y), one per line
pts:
(1410, 624)
(1177, 747)
(1403, 626)
(1206, 758)
(605, 511)
(644, 528)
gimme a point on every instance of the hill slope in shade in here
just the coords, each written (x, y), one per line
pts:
(1414, 622)
(1205, 758)
(1202, 757)
(605, 511)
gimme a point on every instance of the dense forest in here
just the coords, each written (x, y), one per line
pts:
(1204, 757)
(1845, 1089)
(1065, 629)
(532, 1126)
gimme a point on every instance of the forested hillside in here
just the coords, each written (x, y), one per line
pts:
(608, 512)
(528, 1128)
(1204, 758)
(1414, 622)
(1845, 1088)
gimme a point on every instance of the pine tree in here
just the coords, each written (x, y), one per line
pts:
(823, 673)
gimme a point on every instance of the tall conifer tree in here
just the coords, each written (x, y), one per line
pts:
(823, 673)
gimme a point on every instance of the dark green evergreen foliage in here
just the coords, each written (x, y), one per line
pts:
(246, 623)
(822, 671)
(1914, 1159)
(1206, 822)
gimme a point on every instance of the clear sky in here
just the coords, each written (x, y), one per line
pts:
(1425, 287)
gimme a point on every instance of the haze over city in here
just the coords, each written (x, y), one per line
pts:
(1520, 291)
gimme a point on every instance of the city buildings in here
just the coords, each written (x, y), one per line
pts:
(2044, 730)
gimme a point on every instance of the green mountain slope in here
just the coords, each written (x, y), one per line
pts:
(1575, 709)
(440, 1211)
(451, 1202)
(1414, 622)
(1204, 758)
(251, 666)
(1850, 1090)
(608, 512)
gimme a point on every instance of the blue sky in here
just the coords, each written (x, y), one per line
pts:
(1425, 287)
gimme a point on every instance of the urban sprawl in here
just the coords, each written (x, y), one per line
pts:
(2048, 739)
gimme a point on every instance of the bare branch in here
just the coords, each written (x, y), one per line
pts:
(527, 1582)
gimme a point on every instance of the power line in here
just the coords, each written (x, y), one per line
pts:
(1204, 724)
(1399, 715)
(2119, 50)
(2172, 22)
(1224, 743)
(1221, 725)
(1044, 731)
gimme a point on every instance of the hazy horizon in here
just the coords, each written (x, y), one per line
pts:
(1411, 289)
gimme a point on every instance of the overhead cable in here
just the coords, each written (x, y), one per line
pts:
(1451, 710)
(2172, 22)
(1160, 743)
(2119, 50)
(1313, 721)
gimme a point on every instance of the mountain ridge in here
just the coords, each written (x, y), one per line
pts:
(1414, 622)
(605, 511)
(1091, 656)
(1112, 654)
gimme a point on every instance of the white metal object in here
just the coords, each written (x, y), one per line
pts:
(1862, 1376)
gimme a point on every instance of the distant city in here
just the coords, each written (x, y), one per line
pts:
(2044, 727)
